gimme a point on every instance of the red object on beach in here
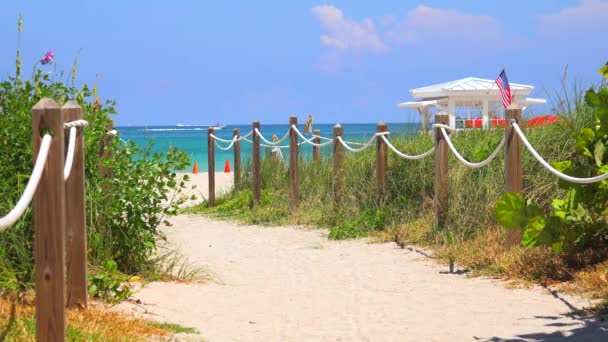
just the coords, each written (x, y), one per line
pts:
(474, 123)
(195, 169)
(478, 122)
(227, 167)
(542, 120)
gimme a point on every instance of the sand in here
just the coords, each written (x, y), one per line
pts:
(293, 284)
(223, 183)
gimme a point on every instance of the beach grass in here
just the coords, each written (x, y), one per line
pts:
(472, 239)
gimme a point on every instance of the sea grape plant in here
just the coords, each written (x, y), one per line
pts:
(578, 220)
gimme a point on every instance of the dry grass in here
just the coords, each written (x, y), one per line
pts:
(17, 323)
(485, 254)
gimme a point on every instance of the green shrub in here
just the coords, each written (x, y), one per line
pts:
(122, 221)
(578, 219)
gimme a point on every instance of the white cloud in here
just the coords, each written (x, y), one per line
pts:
(343, 33)
(434, 27)
(589, 16)
(437, 27)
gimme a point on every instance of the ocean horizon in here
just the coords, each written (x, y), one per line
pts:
(193, 139)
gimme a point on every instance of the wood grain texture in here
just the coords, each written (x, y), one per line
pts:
(294, 190)
(381, 160)
(337, 169)
(211, 166)
(49, 222)
(237, 159)
(513, 171)
(441, 173)
(256, 164)
(75, 234)
(316, 150)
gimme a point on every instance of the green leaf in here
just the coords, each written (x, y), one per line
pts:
(562, 166)
(592, 98)
(557, 203)
(534, 228)
(583, 139)
(598, 153)
(510, 210)
(111, 266)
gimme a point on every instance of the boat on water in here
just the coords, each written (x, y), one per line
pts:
(217, 126)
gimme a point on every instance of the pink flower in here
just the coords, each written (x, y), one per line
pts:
(47, 58)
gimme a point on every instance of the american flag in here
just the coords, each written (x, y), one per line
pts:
(505, 89)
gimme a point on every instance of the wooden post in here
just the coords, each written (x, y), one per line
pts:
(513, 171)
(316, 150)
(49, 222)
(441, 173)
(381, 160)
(75, 234)
(211, 166)
(237, 159)
(337, 164)
(294, 191)
(256, 164)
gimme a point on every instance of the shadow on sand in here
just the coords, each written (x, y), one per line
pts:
(594, 329)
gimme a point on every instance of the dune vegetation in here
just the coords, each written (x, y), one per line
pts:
(123, 212)
(472, 238)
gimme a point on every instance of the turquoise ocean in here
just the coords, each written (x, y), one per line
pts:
(193, 139)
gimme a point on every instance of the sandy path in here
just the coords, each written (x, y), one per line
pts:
(289, 284)
(223, 184)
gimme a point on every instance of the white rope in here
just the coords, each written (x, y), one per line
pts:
(257, 131)
(69, 158)
(75, 123)
(234, 139)
(222, 147)
(309, 141)
(549, 167)
(403, 155)
(31, 186)
(264, 145)
(466, 162)
(366, 145)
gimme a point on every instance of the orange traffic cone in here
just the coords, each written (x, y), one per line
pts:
(195, 169)
(227, 167)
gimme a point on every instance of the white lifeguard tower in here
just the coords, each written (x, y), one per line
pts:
(467, 94)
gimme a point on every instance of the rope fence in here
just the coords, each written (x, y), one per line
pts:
(511, 143)
(56, 187)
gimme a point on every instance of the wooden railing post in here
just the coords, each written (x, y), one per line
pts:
(294, 191)
(211, 166)
(316, 150)
(441, 173)
(337, 181)
(49, 222)
(237, 158)
(513, 171)
(256, 164)
(381, 160)
(75, 229)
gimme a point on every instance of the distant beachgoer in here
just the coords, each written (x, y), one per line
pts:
(275, 153)
(308, 125)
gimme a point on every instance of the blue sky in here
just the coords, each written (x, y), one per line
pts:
(198, 62)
